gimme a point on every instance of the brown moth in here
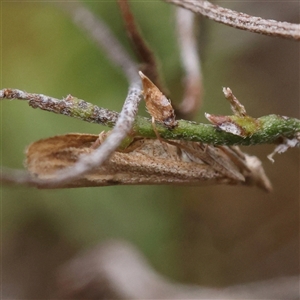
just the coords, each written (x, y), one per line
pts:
(158, 106)
(146, 161)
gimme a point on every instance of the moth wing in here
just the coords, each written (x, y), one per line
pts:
(144, 162)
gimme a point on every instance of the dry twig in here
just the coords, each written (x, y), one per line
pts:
(240, 20)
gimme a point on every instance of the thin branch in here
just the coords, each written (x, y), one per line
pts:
(240, 20)
(264, 130)
(191, 62)
(69, 106)
(140, 46)
(101, 34)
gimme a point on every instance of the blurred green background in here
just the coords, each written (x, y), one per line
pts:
(212, 236)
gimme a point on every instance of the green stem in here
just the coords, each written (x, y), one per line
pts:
(267, 129)
(271, 128)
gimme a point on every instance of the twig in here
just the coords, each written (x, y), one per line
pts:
(100, 33)
(265, 130)
(69, 106)
(240, 20)
(189, 56)
(140, 46)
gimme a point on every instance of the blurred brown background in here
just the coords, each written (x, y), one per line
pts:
(211, 236)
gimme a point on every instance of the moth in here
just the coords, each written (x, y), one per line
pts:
(146, 162)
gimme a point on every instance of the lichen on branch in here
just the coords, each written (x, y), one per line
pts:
(263, 130)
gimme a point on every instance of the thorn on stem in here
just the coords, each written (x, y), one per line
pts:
(225, 123)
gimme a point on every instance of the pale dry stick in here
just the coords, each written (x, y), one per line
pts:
(240, 20)
(191, 63)
(69, 106)
(101, 34)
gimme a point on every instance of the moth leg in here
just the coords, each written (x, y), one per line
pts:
(102, 135)
(155, 130)
(163, 141)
